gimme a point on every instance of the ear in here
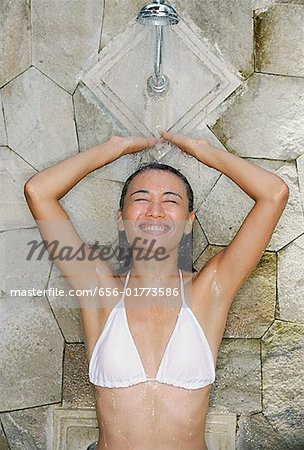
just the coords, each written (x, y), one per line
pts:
(120, 220)
(189, 224)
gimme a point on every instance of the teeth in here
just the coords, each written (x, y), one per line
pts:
(153, 228)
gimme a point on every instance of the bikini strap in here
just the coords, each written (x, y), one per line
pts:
(182, 287)
(125, 287)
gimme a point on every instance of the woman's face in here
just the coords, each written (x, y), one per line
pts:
(156, 207)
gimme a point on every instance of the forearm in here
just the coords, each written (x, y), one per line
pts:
(55, 181)
(257, 182)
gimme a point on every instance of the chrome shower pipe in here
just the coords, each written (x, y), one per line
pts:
(158, 14)
(159, 83)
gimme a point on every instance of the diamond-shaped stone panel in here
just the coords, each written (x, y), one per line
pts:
(277, 52)
(120, 77)
(39, 118)
(66, 36)
(95, 125)
(15, 38)
(263, 119)
(31, 352)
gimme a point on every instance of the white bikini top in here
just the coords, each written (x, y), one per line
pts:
(187, 361)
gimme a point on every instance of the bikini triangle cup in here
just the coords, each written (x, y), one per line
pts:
(187, 360)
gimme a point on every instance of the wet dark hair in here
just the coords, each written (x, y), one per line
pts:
(185, 245)
(157, 166)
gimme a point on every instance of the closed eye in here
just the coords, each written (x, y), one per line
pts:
(172, 201)
(139, 199)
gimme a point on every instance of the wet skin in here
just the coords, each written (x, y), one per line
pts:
(153, 415)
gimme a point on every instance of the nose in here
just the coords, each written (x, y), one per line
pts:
(155, 209)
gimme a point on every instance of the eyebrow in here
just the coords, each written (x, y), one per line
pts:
(144, 191)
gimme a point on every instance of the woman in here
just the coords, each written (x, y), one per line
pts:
(152, 358)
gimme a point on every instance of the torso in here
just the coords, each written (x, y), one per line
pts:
(153, 415)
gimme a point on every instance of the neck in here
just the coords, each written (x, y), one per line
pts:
(153, 273)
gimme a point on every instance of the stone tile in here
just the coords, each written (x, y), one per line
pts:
(29, 429)
(277, 52)
(96, 125)
(207, 254)
(225, 26)
(92, 207)
(282, 363)
(220, 223)
(15, 38)
(199, 239)
(117, 19)
(39, 119)
(66, 37)
(18, 272)
(291, 224)
(253, 308)
(14, 172)
(291, 281)
(3, 440)
(31, 350)
(237, 387)
(77, 390)
(256, 433)
(3, 138)
(300, 170)
(263, 119)
(264, 4)
(65, 308)
(182, 106)
(201, 177)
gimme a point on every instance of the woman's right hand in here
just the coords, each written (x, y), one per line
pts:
(132, 144)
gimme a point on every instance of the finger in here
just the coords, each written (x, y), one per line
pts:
(151, 142)
(178, 139)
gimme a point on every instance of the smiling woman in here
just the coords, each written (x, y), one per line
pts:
(157, 226)
(152, 357)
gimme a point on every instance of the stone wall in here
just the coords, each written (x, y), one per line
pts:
(49, 111)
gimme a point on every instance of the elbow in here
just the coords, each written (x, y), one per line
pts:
(29, 190)
(283, 191)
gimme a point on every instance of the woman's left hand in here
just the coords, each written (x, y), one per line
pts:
(133, 144)
(193, 147)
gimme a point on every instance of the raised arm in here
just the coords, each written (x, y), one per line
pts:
(234, 264)
(44, 190)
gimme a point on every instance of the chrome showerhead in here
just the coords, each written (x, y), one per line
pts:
(157, 13)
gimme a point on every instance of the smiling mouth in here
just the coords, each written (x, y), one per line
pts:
(154, 229)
